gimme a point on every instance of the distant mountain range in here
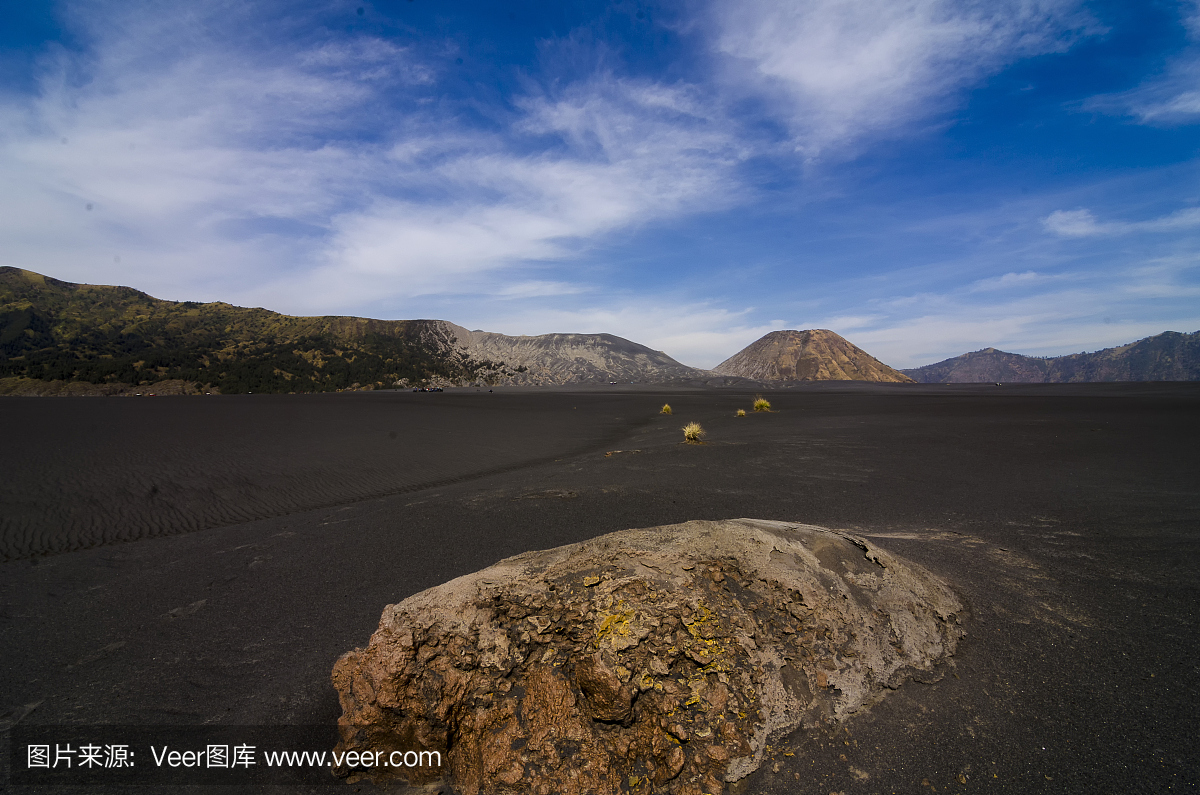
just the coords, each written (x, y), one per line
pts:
(813, 355)
(1169, 356)
(57, 337)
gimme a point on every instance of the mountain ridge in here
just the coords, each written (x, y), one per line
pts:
(563, 358)
(119, 339)
(1169, 356)
(58, 337)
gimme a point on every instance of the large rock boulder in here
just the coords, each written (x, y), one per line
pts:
(659, 660)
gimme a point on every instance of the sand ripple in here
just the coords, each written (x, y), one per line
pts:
(82, 472)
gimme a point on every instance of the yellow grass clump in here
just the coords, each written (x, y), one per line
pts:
(666, 409)
(761, 404)
(692, 433)
(741, 412)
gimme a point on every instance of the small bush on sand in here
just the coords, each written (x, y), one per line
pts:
(692, 433)
(761, 404)
(741, 412)
(666, 409)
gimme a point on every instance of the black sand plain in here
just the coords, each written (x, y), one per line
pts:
(204, 560)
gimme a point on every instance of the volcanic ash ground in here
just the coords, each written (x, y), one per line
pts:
(659, 660)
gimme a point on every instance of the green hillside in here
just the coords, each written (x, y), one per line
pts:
(52, 330)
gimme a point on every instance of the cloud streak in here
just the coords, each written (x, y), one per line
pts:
(1082, 223)
(1169, 99)
(1063, 314)
(627, 162)
(843, 69)
(218, 152)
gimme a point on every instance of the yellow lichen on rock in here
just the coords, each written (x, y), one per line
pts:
(614, 625)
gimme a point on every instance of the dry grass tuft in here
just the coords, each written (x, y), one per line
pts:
(741, 412)
(666, 409)
(692, 433)
(761, 404)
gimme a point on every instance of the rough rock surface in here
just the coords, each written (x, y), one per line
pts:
(659, 660)
(812, 355)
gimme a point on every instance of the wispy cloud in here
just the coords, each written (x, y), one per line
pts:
(539, 289)
(1009, 281)
(848, 324)
(629, 159)
(182, 146)
(1170, 98)
(845, 68)
(198, 160)
(697, 334)
(1082, 223)
(367, 58)
(1065, 314)
(1072, 223)
(1173, 98)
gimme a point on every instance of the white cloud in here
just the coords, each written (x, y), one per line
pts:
(696, 334)
(635, 154)
(843, 68)
(198, 153)
(175, 139)
(1172, 97)
(1008, 281)
(368, 58)
(538, 289)
(1072, 223)
(844, 324)
(1082, 223)
(1068, 314)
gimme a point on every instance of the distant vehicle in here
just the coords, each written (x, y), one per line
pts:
(427, 389)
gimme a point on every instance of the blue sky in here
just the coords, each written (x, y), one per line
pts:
(924, 177)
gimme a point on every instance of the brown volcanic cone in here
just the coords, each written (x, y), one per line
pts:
(813, 355)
